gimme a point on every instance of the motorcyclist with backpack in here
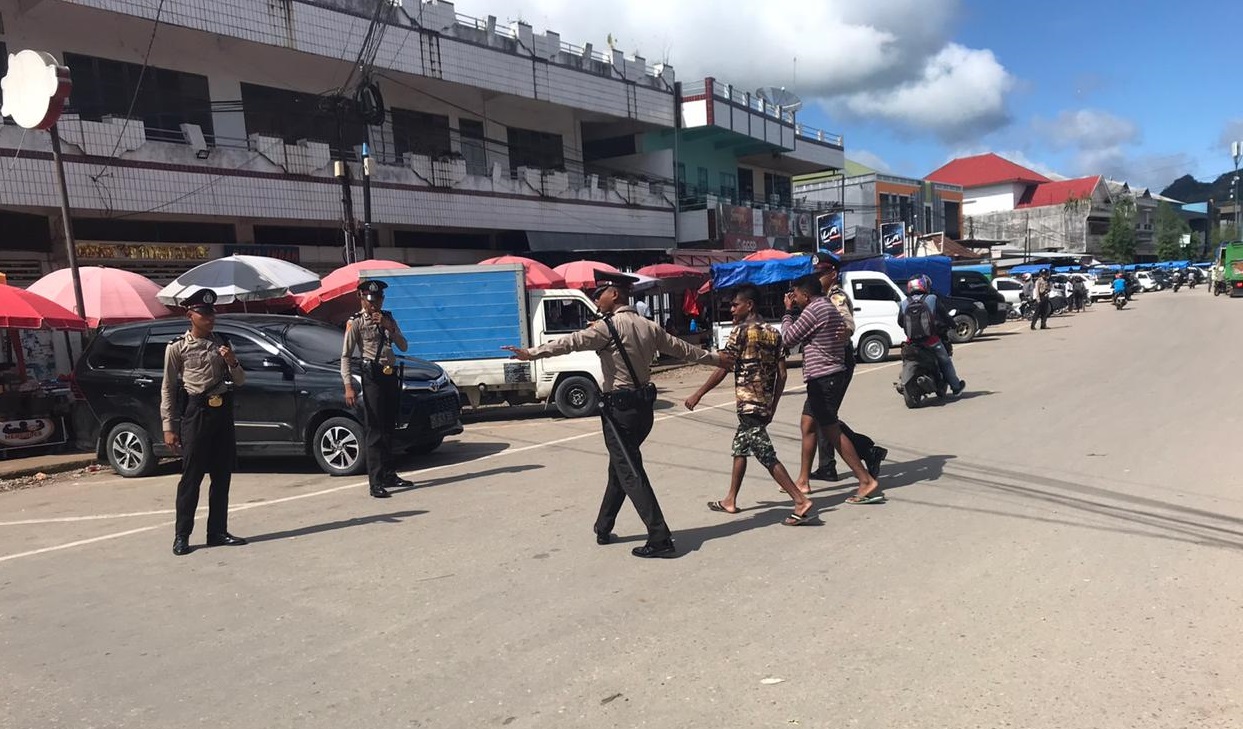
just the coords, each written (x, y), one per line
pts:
(925, 319)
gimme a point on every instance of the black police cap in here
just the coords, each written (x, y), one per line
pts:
(608, 279)
(371, 288)
(203, 300)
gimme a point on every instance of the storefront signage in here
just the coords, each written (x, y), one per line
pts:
(831, 228)
(749, 243)
(31, 431)
(737, 219)
(285, 253)
(148, 252)
(776, 223)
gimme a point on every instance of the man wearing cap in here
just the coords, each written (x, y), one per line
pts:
(626, 412)
(828, 268)
(374, 332)
(201, 364)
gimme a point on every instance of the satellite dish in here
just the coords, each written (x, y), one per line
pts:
(778, 96)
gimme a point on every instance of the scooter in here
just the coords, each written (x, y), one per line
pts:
(1119, 300)
(921, 375)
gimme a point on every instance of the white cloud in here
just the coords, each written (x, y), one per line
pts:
(872, 60)
(1087, 129)
(869, 159)
(1232, 132)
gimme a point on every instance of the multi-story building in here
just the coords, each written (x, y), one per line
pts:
(883, 212)
(197, 129)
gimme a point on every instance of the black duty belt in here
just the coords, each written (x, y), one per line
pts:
(380, 368)
(214, 400)
(629, 398)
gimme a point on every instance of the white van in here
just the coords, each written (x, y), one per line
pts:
(875, 299)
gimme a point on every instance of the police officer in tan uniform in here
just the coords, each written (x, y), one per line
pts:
(374, 333)
(201, 371)
(828, 267)
(626, 411)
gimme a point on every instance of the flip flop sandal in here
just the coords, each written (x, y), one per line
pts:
(718, 507)
(811, 517)
(876, 497)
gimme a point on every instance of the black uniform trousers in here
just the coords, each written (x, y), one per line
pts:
(381, 398)
(626, 426)
(208, 446)
(1041, 313)
(863, 444)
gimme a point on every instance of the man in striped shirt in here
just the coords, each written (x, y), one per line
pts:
(823, 332)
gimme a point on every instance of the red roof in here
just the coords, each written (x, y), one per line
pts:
(1056, 193)
(984, 169)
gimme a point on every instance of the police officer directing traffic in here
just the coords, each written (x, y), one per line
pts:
(626, 343)
(374, 332)
(201, 371)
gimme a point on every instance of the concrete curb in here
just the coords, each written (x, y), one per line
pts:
(16, 469)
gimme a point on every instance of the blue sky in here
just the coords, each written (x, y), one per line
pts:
(1110, 87)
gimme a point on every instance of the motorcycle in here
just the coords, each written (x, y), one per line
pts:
(1119, 300)
(1178, 283)
(1219, 288)
(921, 375)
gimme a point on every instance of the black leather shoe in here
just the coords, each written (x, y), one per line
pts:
(825, 473)
(380, 492)
(603, 539)
(657, 551)
(224, 539)
(181, 546)
(397, 482)
(874, 458)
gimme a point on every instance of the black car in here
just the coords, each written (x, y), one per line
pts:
(293, 401)
(975, 286)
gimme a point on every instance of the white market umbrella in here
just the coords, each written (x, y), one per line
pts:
(242, 278)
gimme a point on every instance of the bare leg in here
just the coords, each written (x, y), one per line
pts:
(867, 484)
(808, 427)
(730, 502)
(802, 504)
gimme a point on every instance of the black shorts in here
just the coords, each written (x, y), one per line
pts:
(824, 397)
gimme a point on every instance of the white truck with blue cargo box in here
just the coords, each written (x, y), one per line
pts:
(460, 316)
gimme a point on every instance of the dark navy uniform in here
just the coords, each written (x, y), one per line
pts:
(200, 383)
(381, 384)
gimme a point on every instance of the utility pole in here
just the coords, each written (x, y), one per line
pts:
(1236, 151)
(341, 169)
(368, 231)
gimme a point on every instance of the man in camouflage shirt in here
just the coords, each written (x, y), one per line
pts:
(760, 377)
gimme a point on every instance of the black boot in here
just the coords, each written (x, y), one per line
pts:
(181, 545)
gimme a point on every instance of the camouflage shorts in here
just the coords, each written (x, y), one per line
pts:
(753, 440)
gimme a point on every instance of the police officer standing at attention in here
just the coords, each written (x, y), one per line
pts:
(626, 343)
(828, 268)
(373, 332)
(201, 364)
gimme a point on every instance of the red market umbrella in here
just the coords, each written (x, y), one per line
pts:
(111, 295)
(671, 270)
(342, 282)
(582, 274)
(538, 275)
(21, 309)
(768, 254)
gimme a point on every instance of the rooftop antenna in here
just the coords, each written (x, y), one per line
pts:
(779, 96)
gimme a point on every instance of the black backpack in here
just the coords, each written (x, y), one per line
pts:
(918, 319)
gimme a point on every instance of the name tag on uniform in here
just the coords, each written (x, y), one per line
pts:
(388, 369)
(214, 401)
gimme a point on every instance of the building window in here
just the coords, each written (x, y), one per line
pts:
(419, 133)
(746, 186)
(166, 100)
(541, 150)
(681, 180)
(701, 186)
(729, 187)
(292, 116)
(779, 189)
(474, 147)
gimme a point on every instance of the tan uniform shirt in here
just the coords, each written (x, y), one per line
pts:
(642, 338)
(841, 301)
(371, 341)
(197, 365)
(1042, 288)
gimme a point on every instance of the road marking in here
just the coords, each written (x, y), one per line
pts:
(335, 489)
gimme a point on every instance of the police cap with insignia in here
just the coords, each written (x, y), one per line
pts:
(372, 289)
(202, 301)
(609, 279)
(821, 260)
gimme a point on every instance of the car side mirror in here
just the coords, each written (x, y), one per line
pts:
(275, 364)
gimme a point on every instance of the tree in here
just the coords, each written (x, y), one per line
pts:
(1119, 243)
(1224, 233)
(1170, 230)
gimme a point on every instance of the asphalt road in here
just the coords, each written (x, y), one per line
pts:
(1061, 548)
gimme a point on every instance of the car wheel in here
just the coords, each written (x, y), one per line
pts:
(964, 329)
(577, 397)
(130, 451)
(338, 447)
(422, 449)
(874, 348)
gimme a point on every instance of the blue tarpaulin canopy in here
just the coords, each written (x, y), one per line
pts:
(759, 273)
(1028, 268)
(901, 270)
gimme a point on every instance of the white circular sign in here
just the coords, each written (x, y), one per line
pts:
(35, 89)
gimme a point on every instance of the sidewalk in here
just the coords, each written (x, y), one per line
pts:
(58, 463)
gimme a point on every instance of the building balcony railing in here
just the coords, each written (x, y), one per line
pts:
(757, 105)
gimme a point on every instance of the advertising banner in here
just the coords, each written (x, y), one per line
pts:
(830, 232)
(893, 238)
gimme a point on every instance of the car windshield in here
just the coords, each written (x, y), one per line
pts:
(310, 341)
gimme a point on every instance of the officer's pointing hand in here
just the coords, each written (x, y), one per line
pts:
(519, 353)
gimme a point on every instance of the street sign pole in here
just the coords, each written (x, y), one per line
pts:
(70, 246)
